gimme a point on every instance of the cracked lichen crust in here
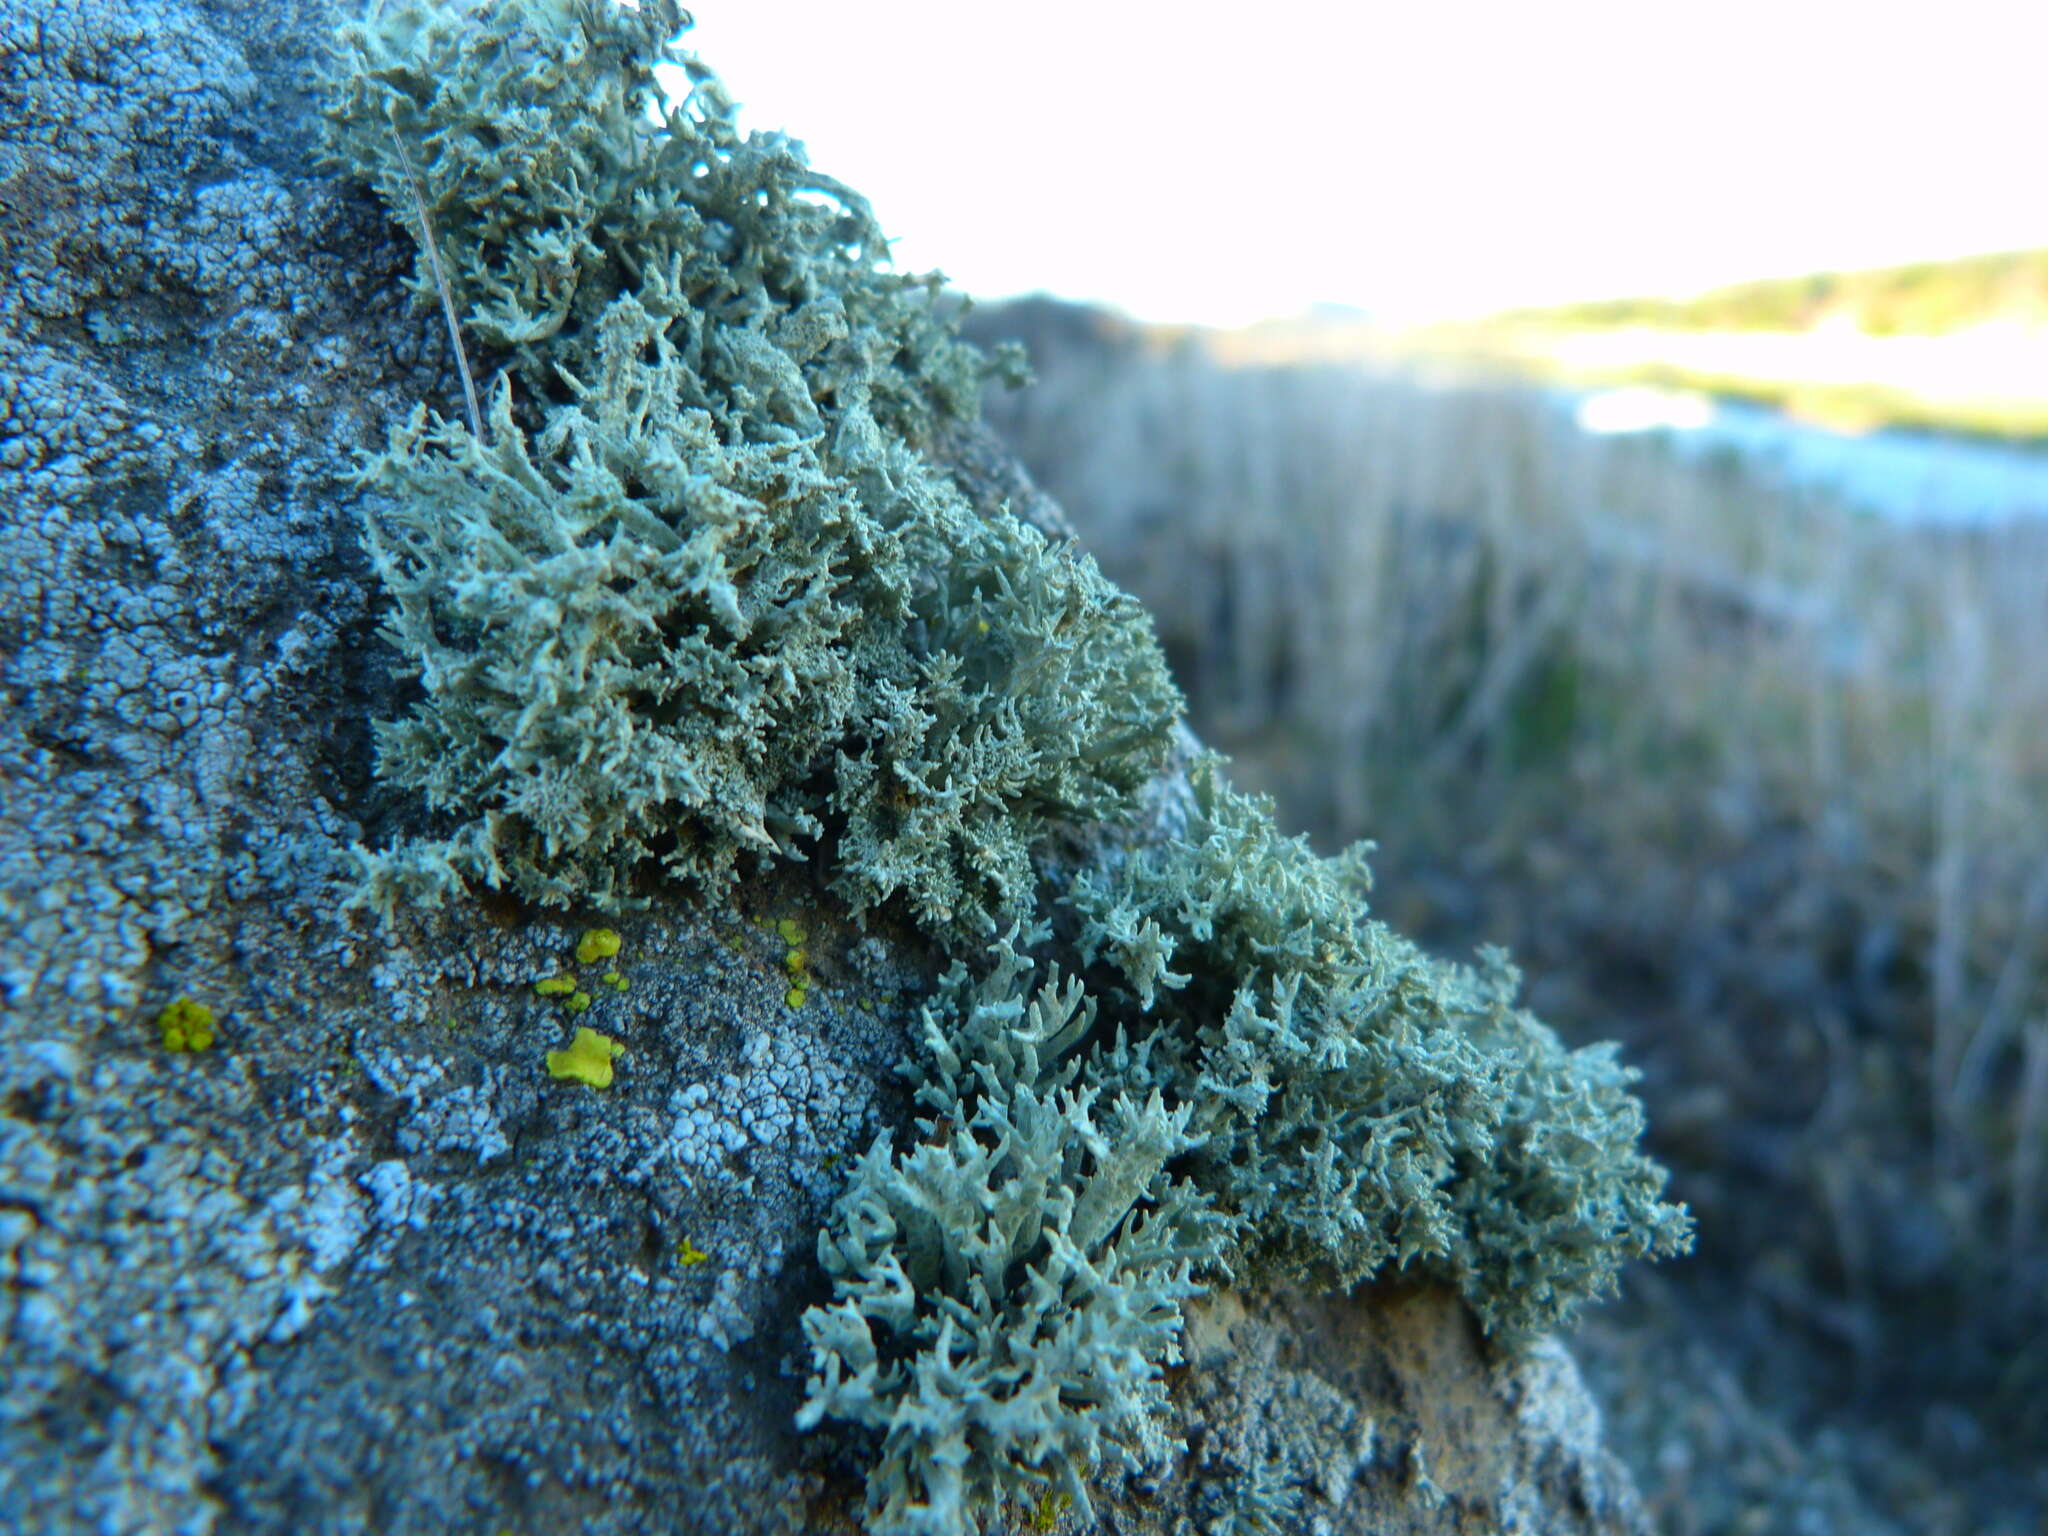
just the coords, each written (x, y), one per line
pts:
(695, 595)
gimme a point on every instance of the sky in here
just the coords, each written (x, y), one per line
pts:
(1219, 163)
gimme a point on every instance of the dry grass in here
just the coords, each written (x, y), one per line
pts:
(1754, 783)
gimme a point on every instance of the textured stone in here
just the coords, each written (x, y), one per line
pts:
(363, 1265)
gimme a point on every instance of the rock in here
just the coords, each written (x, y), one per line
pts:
(363, 1264)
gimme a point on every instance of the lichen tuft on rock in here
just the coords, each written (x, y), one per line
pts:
(700, 598)
(696, 600)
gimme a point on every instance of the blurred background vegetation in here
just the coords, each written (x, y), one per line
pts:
(1750, 777)
(1694, 646)
(1923, 298)
(1953, 346)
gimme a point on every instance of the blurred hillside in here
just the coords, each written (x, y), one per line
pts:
(1955, 346)
(1923, 298)
(1959, 345)
(1749, 782)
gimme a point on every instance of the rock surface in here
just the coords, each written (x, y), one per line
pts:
(364, 1265)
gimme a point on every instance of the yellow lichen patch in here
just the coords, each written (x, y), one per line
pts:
(186, 1025)
(557, 986)
(579, 1002)
(795, 961)
(1051, 1505)
(615, 981)
(689, 1255)
(598, 944)
(588, 1059)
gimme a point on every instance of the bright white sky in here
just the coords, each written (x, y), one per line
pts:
(1199, 161)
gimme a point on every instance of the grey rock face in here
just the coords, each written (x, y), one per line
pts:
(365, 1265)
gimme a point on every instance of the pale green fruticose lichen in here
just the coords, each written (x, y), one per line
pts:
(1363, 1104)
(1008, 1290)
(697, 599)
